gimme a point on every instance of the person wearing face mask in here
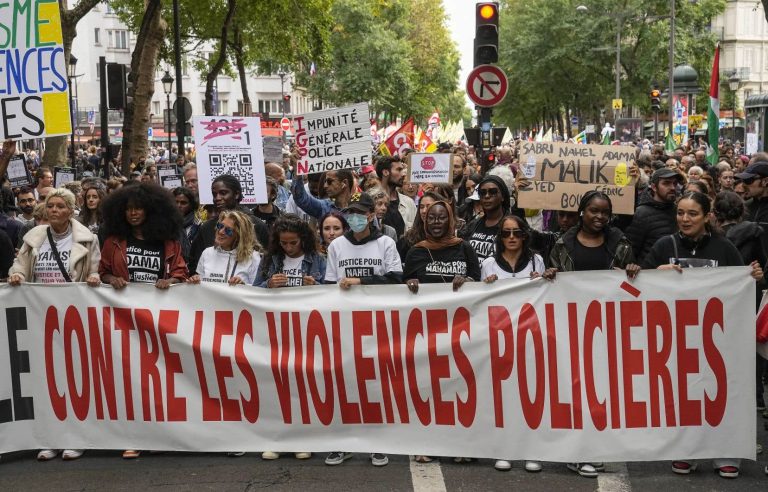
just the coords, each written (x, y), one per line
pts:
(362, 256)
(332, 226)
(235, 255)
(697, 245)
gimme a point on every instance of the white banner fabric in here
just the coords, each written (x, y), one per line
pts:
(585, 368)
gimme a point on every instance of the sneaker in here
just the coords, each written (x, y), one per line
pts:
(47, 454)
(236, 454)
(503, 465)
(270, 455)
(71, 454)
(583, 469)
(728, 472)
(683, 467)
(378, 459)
(598, 466)
(461, 459)
(533, 466)
(131, 454)
(337, 458)
(302, 455)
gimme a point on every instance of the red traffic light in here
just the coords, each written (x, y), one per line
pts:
(487, 11)
(287, 97)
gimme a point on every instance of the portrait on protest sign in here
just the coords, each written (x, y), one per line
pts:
(18, 174)
(333, 139)
(63, 175)
(629, 130)
(230, 145)
(34, 98)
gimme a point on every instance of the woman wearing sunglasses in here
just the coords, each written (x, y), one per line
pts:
(142, 226)
(235, 255)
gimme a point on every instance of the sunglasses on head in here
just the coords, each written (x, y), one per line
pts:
(228, 231)
(488, 192)
(518, 233)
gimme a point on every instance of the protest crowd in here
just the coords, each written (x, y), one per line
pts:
(370, 225)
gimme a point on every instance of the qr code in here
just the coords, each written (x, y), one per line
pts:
(238, 165)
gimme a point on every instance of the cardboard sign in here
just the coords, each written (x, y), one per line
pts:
(34, 100)
(429, 168)
(273, 150)
(575, 163)
(553, 195)
(63, 175)
(18, 174)
(334, 139)
(171, 181)
(230, 145)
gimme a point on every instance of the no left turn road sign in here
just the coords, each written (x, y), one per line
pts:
(487, 86)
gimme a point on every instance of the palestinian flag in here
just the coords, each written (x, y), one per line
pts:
(713, 114)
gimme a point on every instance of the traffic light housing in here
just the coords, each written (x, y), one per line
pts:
(286, 103)
(486, 33)
(656, 100)
(117, 87)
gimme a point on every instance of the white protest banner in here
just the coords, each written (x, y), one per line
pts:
(63, 175)
(18, 174)
(34, 101)
(585, 368)
(333, 139)
(429, 168)
(230, 145)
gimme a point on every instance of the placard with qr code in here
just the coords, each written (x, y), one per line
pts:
(230, 145)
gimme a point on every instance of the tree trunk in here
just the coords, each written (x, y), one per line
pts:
(143, 65)
(56, 147)
(237, 47)
(210, 78)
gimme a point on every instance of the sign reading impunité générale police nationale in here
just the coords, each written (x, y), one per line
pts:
(33, 72)
(333, 139)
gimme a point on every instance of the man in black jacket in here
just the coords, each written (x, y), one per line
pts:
(655, 214)
(755, 181)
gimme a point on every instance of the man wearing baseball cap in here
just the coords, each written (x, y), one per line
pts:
(655, 214)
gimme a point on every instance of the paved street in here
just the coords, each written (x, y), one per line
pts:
(105, 470)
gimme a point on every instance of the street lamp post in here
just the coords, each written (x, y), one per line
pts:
(282, 75)
(72, 113)
(167, 81)
(733, 83)
(671, 90)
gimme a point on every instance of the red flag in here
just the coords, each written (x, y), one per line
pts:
(401, 140)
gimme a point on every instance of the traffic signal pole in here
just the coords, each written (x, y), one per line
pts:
(486, 52)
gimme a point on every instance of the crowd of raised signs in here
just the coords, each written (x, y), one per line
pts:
(371, 226)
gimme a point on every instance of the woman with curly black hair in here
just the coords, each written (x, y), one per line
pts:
(142, 226)
(292, 258)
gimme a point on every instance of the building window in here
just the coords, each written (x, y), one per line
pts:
(121, 40)
(96, 36)
(224, 107)
(110, 39)
(156, 108)
(184, 67)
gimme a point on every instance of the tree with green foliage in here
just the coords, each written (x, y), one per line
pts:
(561, 61)
(397, 55)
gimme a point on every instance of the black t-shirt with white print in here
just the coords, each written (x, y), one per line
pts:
(145, 260)
(441, 265)
(483, 240)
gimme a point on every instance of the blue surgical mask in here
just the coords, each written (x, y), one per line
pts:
(357, 222)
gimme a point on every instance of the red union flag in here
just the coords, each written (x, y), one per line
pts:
(399, 141)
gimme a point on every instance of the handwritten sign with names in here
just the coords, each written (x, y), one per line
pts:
(333, 139)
